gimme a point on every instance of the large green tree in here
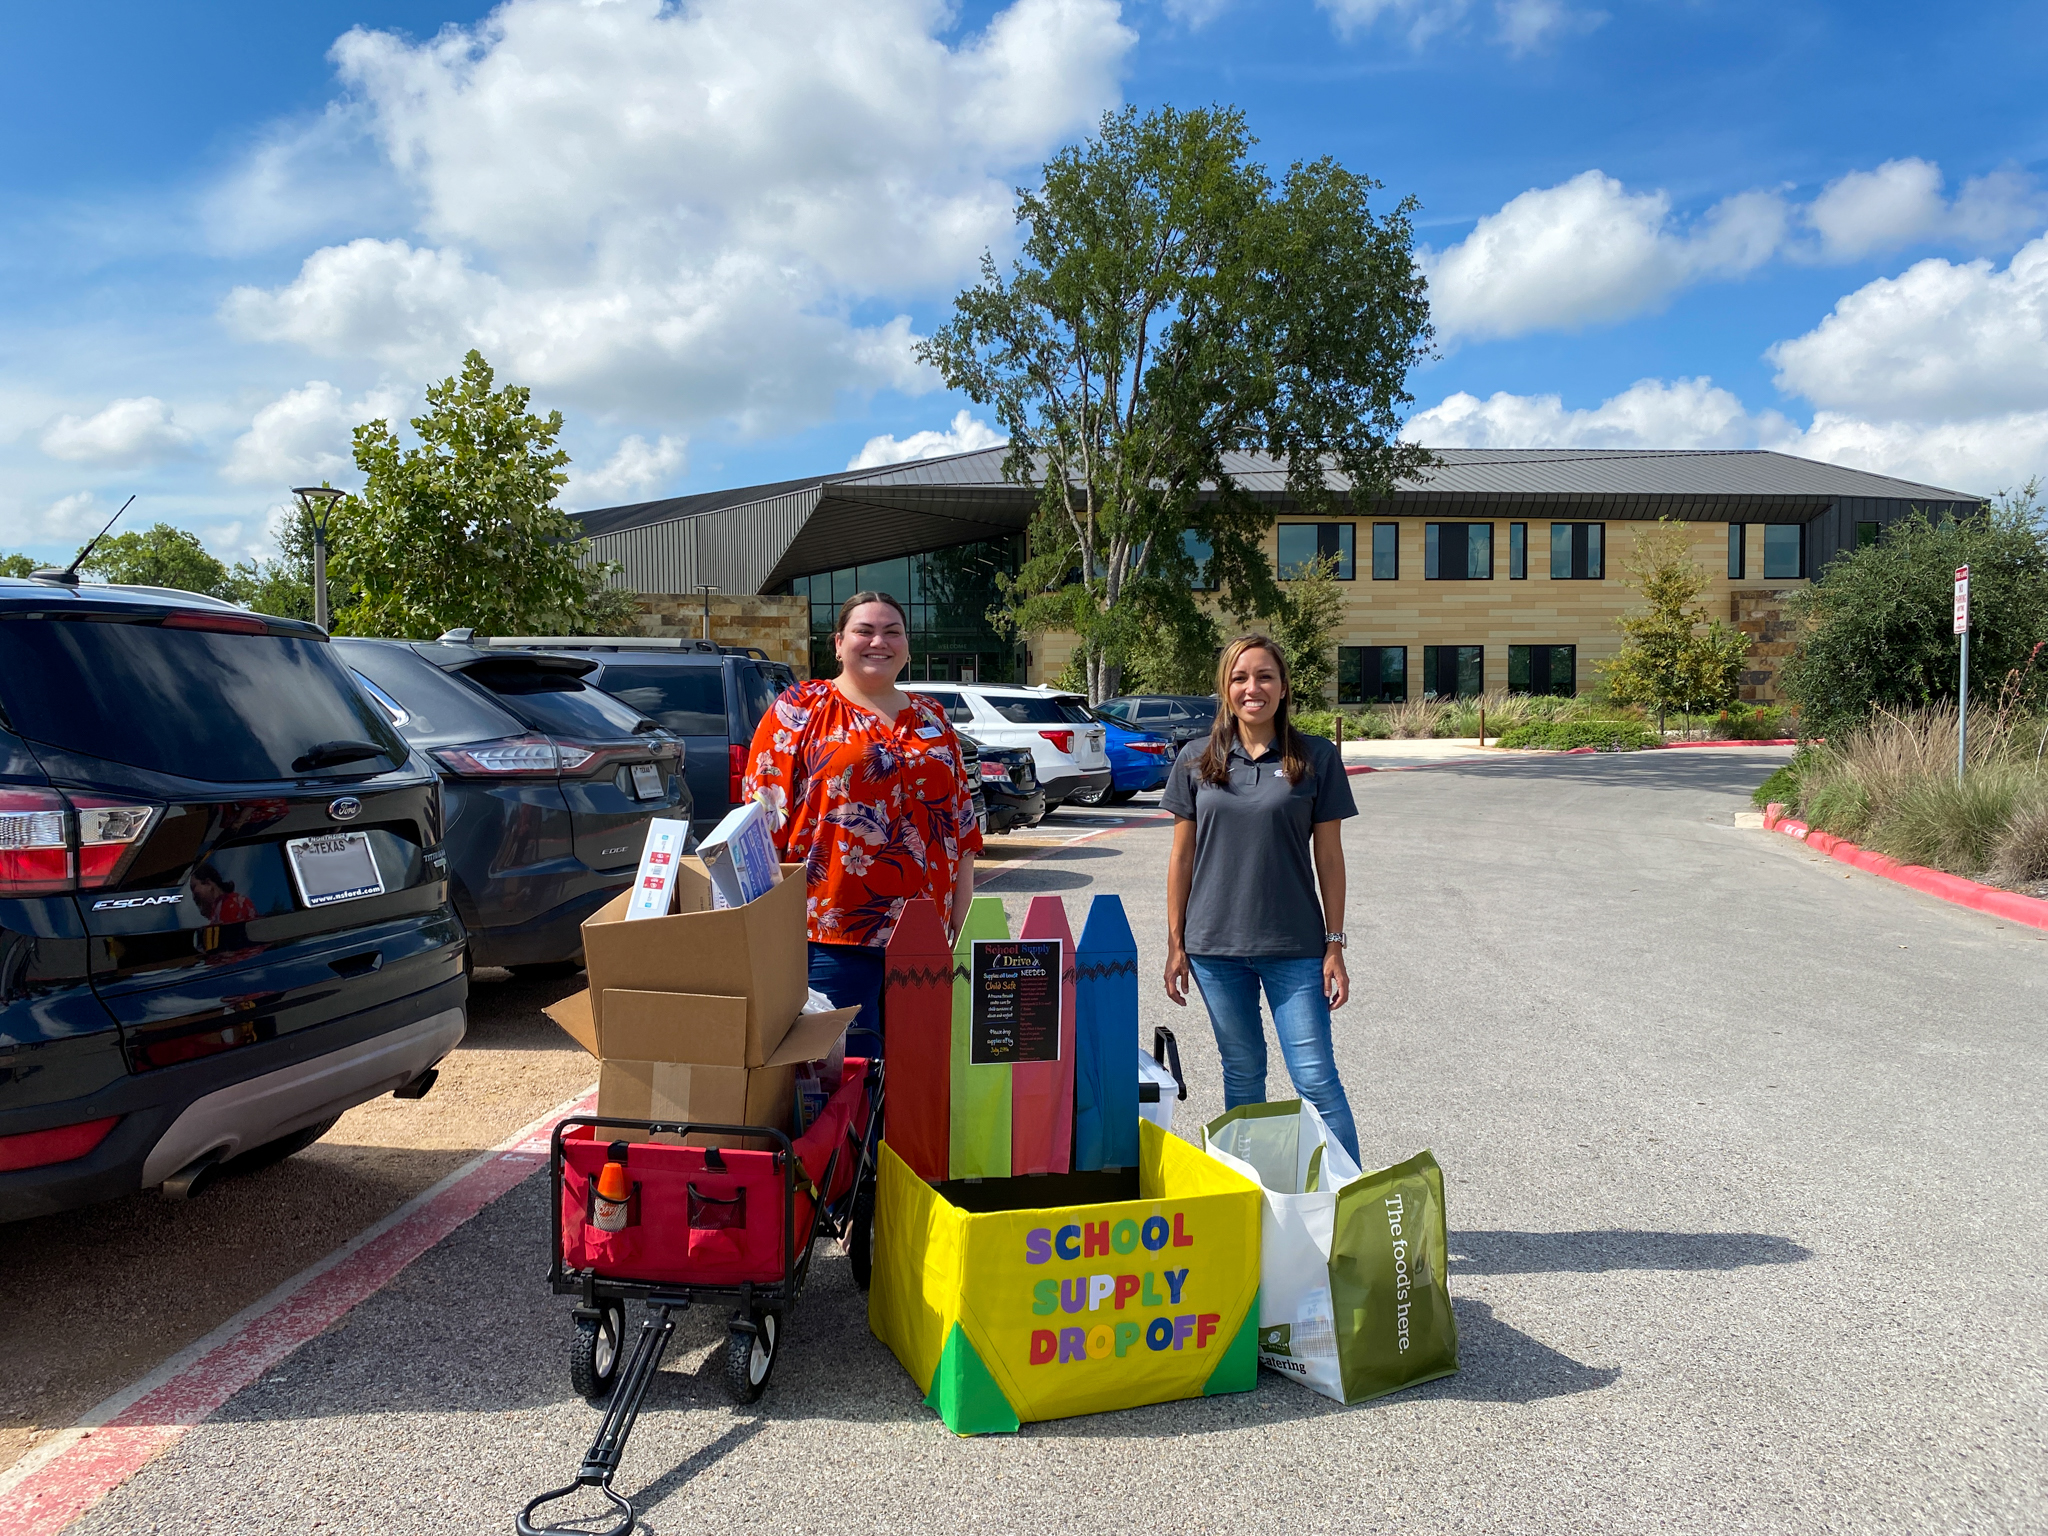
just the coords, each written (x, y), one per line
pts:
(1172, 307)
(462, 531)
(160, 556)
(1877, 625)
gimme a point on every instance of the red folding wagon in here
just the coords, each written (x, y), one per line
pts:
(702, 1223)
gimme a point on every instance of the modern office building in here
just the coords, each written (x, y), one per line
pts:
(1502, 568)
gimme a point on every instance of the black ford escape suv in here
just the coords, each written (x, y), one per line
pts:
(224, 913)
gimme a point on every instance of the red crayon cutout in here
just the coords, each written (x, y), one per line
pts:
(1042, 1092)
(917, 1008)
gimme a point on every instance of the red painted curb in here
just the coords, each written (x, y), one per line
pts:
(1774, 741)
(107, 1455)
(2029, 911)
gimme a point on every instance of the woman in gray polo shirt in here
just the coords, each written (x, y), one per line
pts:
(1255, 885)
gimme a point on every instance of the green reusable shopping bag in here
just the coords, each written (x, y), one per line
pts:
(1353, 1295)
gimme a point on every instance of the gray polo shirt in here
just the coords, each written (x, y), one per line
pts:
(1255, 880)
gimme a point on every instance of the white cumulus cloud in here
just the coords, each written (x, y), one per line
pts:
(965, 435)
(305, 436)
(1942, 340)
(1686, 413)
(635, 469)
(121, 435)
(1588, 252)
(1901, 203)
(637, 202)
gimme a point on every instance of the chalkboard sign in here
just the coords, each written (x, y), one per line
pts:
(1016, 1001)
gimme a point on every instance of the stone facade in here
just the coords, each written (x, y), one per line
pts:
(781, 626)
(1761, 615)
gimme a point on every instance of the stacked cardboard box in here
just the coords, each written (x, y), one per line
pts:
(697, 1015)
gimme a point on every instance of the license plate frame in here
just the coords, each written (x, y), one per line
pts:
(330, 868)
(646, 779)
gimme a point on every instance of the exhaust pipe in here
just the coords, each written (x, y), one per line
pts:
(189, 1180)
(417, 1088)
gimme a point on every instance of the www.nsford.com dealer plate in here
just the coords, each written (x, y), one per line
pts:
(336, 866)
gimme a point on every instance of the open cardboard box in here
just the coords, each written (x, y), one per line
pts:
(681, 1056)
(755, 955)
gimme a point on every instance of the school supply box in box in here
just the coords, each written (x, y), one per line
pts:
(1015, 1300)
(756, 952)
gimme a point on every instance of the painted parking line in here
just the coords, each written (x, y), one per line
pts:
(1124, 824)
(60, 1480)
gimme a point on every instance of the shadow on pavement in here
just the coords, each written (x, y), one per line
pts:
(1726, 770)
(1030, 877)
(1592, 1253)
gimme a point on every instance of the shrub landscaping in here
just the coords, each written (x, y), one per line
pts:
(1565, 735)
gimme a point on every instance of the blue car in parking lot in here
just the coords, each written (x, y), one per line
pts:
(1139, 761)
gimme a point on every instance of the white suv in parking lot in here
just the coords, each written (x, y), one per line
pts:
(1064, 739)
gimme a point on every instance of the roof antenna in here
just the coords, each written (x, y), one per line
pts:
(69, 575)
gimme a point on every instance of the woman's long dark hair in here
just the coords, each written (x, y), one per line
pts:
(1214, 766)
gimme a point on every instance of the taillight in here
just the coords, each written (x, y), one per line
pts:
(220, 623)
(513, 757)
(1064, 740)
(35, 844)
(995, 771)
(59, 1144)
(736, 769)
(109, 832)
(1154, 747)
(51, 843)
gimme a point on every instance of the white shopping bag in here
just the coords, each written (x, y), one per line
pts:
(1160, 1085)
(1290, 1154)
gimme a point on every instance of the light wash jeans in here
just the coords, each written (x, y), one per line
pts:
(1301, 1017)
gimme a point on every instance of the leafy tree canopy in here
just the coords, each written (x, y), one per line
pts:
(462, 531)
(1673, 655)
(160, 556)
(1878, 623)
(1172, 306)
(17, 565)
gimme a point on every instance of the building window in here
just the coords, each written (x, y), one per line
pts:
(1552, 669)
(1386, 551)
(1784, 551)
(1457, 551)
(1199, 550)
(1453, 671)
(1518, 551)
(1737, 533)
(1302, 544)
(1866, 535)
(1578, 551)
(1372, 674)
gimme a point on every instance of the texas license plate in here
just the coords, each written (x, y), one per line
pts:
(981, 821)
(646, 782)
(336, 866)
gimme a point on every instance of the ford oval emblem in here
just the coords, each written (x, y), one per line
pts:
(347, 808)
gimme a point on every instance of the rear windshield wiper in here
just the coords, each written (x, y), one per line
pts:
(329, 753)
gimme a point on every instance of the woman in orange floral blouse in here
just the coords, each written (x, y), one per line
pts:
(873, 798)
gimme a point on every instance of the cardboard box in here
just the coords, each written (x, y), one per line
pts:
(757, 953)
(675, 1056)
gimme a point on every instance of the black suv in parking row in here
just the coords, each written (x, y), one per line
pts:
(224, 912)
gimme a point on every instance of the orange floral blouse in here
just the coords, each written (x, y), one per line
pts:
(880, 812)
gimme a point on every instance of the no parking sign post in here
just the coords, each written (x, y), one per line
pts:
(1963, 684)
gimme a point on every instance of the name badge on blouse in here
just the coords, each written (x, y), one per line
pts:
(930, 732)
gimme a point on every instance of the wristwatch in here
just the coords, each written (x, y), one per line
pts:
(1334, 938)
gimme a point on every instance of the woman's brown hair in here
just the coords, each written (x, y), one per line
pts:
(1214, 766)
(846, 609)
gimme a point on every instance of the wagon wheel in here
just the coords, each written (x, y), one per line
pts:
(594, 1356)
(750, 1355)
(860, 1239)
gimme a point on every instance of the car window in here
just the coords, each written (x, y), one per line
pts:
(1176, 712)
(689, 701)
(558, 703)
(200, 704)
(1155, 711)
(1076, 710)
(1117, 708)
(1028, 710)
(757, 696)
(956, 708)
(438, 708)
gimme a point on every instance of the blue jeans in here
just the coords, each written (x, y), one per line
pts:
(851, 975)
(1301, 1017)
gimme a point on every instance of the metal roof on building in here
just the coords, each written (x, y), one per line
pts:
(754, 538)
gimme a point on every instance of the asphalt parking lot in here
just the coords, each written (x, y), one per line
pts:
(1746, 1184)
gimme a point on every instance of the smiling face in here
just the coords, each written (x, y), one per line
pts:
(872, 647)
(1254, 690)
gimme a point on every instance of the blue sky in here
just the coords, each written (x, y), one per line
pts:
(711, 234)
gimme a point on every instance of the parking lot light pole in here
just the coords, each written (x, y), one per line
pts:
(706, 589)
(318, 503)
